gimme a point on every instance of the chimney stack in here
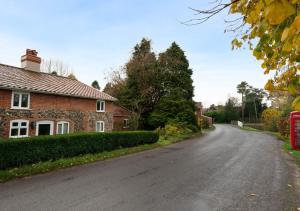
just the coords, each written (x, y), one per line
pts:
(30, 61)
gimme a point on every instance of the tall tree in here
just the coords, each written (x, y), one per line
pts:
(177, 89)
(141, 91)
(242, 89)
(95, 84)
(231, 112)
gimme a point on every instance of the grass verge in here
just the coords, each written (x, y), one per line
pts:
(47, 166)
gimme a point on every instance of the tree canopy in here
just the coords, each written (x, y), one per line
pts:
(157, 88)
(271, 29)
(176, 89)
(95, 84)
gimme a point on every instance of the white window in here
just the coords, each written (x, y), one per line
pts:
(125, 123)
(19, 128)
(100, 106)
(20, 100)
(62, 128)
(100, 126)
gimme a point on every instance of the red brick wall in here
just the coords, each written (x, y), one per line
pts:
(5, 98)
(120, 114)
(55, 108)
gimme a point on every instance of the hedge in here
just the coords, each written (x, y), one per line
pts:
(17, 152)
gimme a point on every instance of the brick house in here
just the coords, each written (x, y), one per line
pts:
(35, 103)
(121, 118)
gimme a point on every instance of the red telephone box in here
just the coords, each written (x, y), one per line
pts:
(295, 130)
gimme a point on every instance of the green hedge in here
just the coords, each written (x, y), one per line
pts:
(17, 152)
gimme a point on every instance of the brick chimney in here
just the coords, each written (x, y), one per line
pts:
(30, 61)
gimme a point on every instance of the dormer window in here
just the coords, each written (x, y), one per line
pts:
(100, 106)
(20, 100)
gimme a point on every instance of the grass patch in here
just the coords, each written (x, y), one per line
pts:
(250, 128)
(47, 166)
(295, 153)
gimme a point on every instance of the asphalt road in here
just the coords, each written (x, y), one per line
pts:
(228, 169)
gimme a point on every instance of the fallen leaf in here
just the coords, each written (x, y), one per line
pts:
(289, 185)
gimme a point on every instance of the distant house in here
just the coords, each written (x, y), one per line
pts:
(122, 117)
(34, 103)
(203, 120)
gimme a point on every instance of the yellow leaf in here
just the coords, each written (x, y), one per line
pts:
(252, 17)
(296, 23)
(278, 11)
(297, 44)
(287, 47)
(285, 34)
(269, 85)
(296, 103)
(292, 88)
(268, 2)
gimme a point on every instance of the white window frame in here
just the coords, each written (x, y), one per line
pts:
(100, 122)
(19, 121)
(62, 122)
(41, 123)
(126, 126)
(20, 100)
(100, 101)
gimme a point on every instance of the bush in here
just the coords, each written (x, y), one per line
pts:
(176, 128)
(14, 153)
(284, 126)
(270, 117)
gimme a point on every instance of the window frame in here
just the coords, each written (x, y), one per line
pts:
(100, 101)
(62, 122)
(100, 131)
(19, 127)
(127, 123)
(20, 100)
(38, 123)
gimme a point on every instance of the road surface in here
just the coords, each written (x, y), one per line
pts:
(228, 169)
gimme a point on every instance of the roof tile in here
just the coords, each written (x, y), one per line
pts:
(19, 78)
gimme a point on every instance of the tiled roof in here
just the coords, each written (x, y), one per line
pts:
(21, 79)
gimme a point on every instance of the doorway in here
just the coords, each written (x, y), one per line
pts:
(44, 128)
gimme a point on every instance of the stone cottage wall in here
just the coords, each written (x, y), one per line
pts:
(79, 112)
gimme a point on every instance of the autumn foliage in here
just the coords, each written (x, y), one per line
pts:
(272, 30)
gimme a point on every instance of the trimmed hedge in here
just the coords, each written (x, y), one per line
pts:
(17, 152)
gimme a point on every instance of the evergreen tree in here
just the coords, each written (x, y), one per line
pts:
(231, 112)
(141, 91)
(176, 103)
(95, 84)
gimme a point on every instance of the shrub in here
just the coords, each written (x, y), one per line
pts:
(270, 117)
(176, 128)
(14, 153)
(284, 126)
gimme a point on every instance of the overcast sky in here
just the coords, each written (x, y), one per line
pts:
(96, 37)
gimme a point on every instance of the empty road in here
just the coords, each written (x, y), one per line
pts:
(228, 169)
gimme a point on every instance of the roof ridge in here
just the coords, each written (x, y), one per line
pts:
(20, 68)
